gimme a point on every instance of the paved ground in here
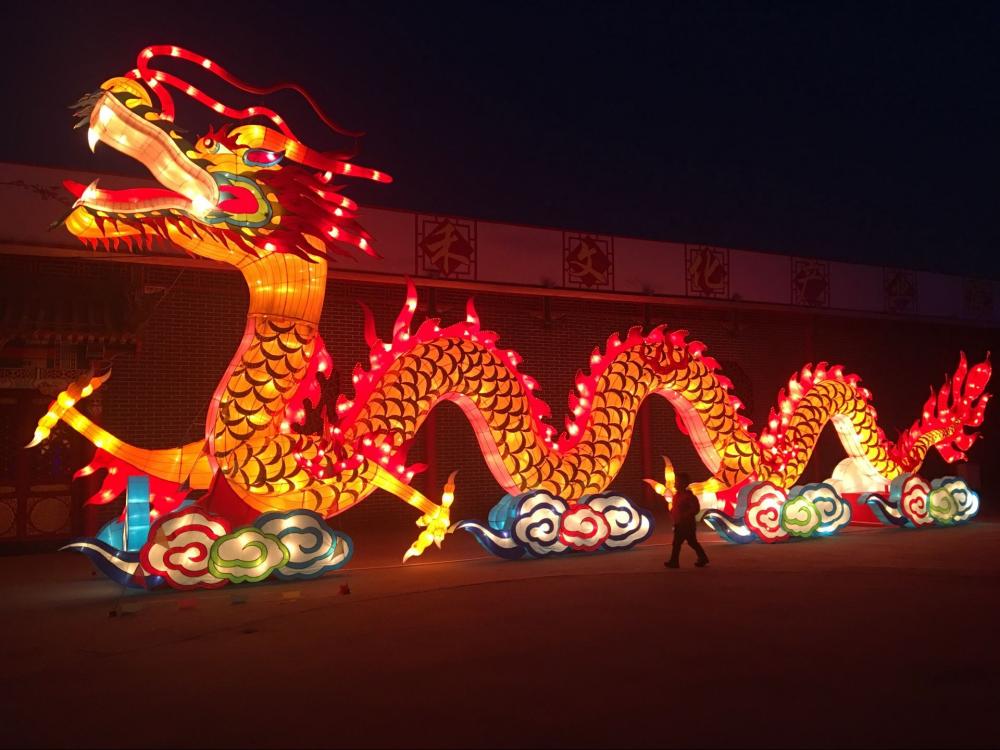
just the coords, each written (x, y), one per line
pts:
(876, 638)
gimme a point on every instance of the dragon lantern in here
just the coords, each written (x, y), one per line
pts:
(252, 195)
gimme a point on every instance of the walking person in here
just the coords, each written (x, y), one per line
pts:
(684, 511)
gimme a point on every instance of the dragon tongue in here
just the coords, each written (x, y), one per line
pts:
(77, 189)
(88, 193)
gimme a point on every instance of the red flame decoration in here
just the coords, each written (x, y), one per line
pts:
(164, 495)
(383, 354)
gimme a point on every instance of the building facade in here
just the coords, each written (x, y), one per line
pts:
(168, 325)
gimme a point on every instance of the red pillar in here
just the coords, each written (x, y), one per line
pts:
(430, 435)
(646, 446)
(90, 521)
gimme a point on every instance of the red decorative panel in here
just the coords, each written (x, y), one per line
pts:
(977, 298)
(445, 247)
(810, 282)
(588, 261)
(900, 290)
(49, 515)
(8, 516)
(707, 271)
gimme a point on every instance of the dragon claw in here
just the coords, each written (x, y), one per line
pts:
(74, 393)
(435, 524)
(667, 488)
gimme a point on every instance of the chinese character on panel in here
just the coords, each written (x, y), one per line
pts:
(810, 282)
(707, 271)
(900, 290)
(446, 247)
(588, 261)
(977, 296)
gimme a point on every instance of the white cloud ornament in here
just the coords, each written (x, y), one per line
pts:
(247, 555)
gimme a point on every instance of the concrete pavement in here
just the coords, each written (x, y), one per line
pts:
(877, 637)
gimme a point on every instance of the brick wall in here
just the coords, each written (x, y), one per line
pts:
(158, 396)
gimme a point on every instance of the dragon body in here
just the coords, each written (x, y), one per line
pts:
(252, 196)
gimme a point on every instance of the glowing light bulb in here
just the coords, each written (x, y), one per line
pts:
(201, 205)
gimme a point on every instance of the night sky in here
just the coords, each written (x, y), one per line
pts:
(853, 132)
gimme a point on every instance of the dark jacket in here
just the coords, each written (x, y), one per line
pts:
(684, 508)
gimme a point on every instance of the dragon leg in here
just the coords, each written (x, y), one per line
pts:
(186, 463)
(436, 520)
(288, 472)
(76, 391)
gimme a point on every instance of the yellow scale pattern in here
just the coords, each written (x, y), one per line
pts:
(469, 372)
(252, 451)
(260, 461)
(836, 398)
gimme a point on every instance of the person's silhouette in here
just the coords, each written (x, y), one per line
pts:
(684, 511)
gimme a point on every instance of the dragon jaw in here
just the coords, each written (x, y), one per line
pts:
(122, 116)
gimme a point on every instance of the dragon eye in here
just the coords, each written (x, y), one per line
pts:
(209, 143)
(261, 157)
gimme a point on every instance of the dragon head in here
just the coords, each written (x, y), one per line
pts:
(244, 190)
